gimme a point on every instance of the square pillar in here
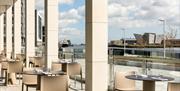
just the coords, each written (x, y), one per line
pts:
(51, 32)
(17, 28)
(96, 45)
(1, 32)
(30, 29)
(8, 20)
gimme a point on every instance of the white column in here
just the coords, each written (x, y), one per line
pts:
(17, 28)
(96, 45)
(51, 28)
(9, 32)
(30, 30)
(1, 32)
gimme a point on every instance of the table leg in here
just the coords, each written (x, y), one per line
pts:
(38, 83)
(148, 85)
(6, 78)
(64, 67)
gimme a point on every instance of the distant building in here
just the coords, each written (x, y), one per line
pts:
(139, 39)
(131, 41)
(65, 43)
(170, 42)
(159, 39)
(116, 42)
(149, 38)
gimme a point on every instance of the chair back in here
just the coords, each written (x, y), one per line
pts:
(37, 61)
(74, 69)
(173, 86)
(56, 67)
(54, 83)
(4, 65)
(122, 83)
(29, 79)
(20, 57)
(15, 67)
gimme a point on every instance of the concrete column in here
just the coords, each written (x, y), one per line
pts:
(17, 28)
(30, 30)
(51, 28)
(1, 32)
(9, 32)
(96, 45)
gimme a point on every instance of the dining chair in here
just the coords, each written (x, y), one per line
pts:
(37, 61)
(29, 80)
(20, 57)
(14, 68)
(173, 86)
(74, 70)
(122, 83)
(54, 83)
(56, 67)
(4, 71)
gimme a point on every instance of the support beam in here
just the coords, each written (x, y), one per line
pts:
(96, 45)
(1, 32)
(30, 30)
(17, 28)
(51, 28)
(8, 48)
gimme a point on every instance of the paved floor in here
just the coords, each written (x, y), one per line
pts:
(18, 87)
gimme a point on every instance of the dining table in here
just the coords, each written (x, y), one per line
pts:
(42, 72)
(149, 80)
(65, 64)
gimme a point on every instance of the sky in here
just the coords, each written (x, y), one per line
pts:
(135, 16)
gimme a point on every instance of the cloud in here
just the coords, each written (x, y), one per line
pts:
(66, 1)
(141, 13)
(40, 3)
(74, 34)
(70, 31)
(70, 17)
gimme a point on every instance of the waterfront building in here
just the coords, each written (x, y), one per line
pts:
(130, 41)
(116, 42)
(139, 39)
(159, 39)
(149, 38)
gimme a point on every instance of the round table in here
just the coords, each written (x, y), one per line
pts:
(149, 80)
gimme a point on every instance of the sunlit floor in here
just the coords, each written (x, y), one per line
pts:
(18, 87)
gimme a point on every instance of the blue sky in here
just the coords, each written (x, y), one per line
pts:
(136, 16)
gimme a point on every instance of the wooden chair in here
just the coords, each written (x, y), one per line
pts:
(173, 86)
(54, 83)
(122, 83)
(74, 70)
(29, 80)
(20, 57)
(14, 68)
(37, 61)
(56, 67)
